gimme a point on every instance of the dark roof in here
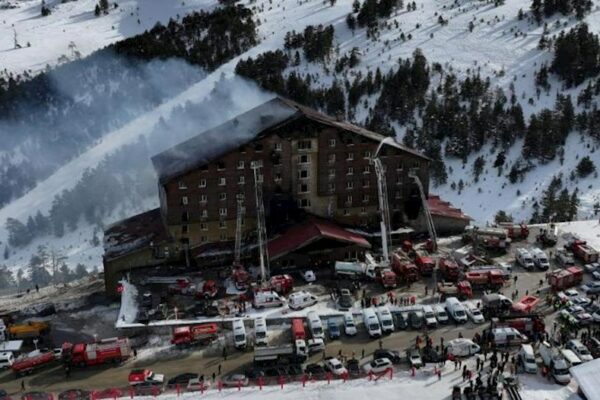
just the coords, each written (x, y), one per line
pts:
(300, 236)
(442, 208)
(215, 142)
(134, 233)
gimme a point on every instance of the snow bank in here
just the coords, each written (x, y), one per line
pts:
(586, 230)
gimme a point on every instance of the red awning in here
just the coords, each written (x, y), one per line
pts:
(442, 208)
(302, 235)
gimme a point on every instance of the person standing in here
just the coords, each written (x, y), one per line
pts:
(219, 370)
(22, 385)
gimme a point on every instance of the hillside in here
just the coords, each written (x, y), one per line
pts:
(467, 39)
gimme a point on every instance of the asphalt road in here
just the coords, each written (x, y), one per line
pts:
(53, 379)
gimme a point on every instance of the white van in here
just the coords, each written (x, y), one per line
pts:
(527, 357)
(456, 310)
(260, 331)
(371, 322)
(540, 259)
(6, 359)
(440, 314)
(429, 316)
(559, 368)
(302, 299)
(524, 258)
(315, 326)
(571, 357)
(349, 324)
(462, 347)
(507, 336)
(239, 334)
(385, 319)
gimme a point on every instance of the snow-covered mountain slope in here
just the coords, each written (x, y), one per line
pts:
(500, 46)
(72, 30)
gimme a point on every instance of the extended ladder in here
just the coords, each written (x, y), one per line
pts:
(260, 223)
(428, 219)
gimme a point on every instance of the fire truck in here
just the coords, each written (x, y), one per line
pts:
(526, 324)
(489, 238)
(565, 278)
(449, 269)
(424, 262)
(34, 360)
(196, 334)
(113, 350)
(209, 290)
(28, 330)
(379, 272)
(240, 277)
(282, 284)
(582, 251)
(461, 290)
(404, 268)
(485, 278)
(516, 231)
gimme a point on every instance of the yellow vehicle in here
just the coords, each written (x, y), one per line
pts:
(31, 329)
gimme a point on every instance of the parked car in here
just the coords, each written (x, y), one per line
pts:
(314, 370)
(414, 358)
(353, 367)
(591, 268)
(235, 380)
(309, 276)
(591, 287)
(198, 385)
(399, 321)
(474, 313)
(596, 275)
(108, 394)
(391, 355)
(315, 345)
(4, 395)
(37, 396)
(349, 324)
(345, 300)
(73, 394)
(440, 314)
(377, 366)
(182, 379)
(333, 329)
(581, 301)
(577, 314)
(147, 389)
(571, 293)
(335, 366)
(593, 346)
(579, 349)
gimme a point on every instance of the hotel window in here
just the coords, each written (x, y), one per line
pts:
(202, 183)
(331, 159)
(203, 198)
(277, 177)
(184, 200)
(223, 237)
(203, 226)
(278, 146)
(222, 224)
(416, 164)
(185, 216)
(367, 169)
(223, 196)
(346, 212)
(182, 185)
(332, 187)
(258, 147)
(349, 156)
(363, 210)
(204, 214)
(241, 180)
(303, 159)
(303, 188)
(349, 185)
(349, 200)
(398, 195)
(399, 180)
(203, 239)
(332, 172)
(400, 166)
(367, 154)
(303, 174)
(331, 142)
(304, 145)
(222, 181)
(365, 198)
(350, 171)
(184, 229)
(304, 203)
(223, 212)
(240, 164)
(220, 166)
(366, 183)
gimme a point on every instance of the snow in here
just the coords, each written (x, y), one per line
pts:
(129, 307)
(586, 230)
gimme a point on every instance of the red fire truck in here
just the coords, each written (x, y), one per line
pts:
(240, 277)
(424, 262)
(34, 360)
(565, 278)
(485, 278)
(449, 269)
(404, 268)
(282, 284)
(582, 251)
(298, 331)
(516, 231)
(526, 324)
(113, 350)
(462, 290)
(196, 334)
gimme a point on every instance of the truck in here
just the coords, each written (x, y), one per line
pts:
(530, 324)
(208, 290)
(195, 334)
(404, 268)
(28, 330)
(526, 304)
(379, 272)
(449, 269)
(350, 269)
(298, 331)
(489, 238)
(565, 278)
(424, 262)
(515, 231)
(240, 277)
(139, 376)
(564, 258)
(547, 237)
(27, 363)
(485, 279)
(582, 251)
(495, 304)
(282, 284)
(295, 353)
(461, 290)
(112, 350)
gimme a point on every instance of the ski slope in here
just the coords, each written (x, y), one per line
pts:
(500, 46)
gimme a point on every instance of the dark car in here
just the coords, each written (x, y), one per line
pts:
(294, 370)
(182, 379)
(147, 300)
(392, 355)
(345, 300)
(429, 355)
(74, 394)
(36, 396)
(353, 367)
(314, 369)
(4, 395)
(333, 329)
(593, 345)
(416, 322)
(399, 321)
(147, 389)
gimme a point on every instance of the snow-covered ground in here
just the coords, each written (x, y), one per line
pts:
(500, 46)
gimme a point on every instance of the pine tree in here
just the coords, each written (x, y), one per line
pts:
(104, 5)
(573, 205)
(97, 10)
(585, 167)
(6, 252)
(536, 9)
(502, 216)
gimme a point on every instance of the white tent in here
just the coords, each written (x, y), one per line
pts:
(587, 376)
